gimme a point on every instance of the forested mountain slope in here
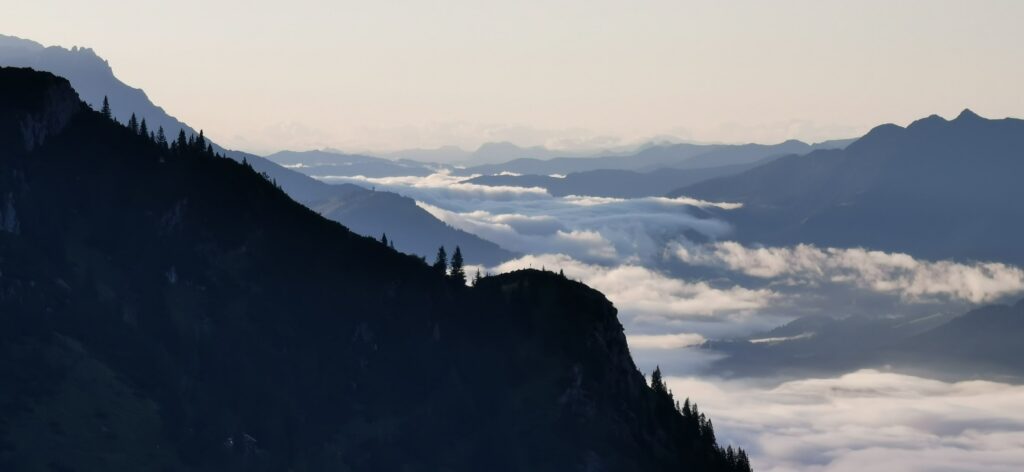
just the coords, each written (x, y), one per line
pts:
(163, 308)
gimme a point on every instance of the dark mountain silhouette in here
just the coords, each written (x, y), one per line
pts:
(419, 233)
(936, 189)
(675, 156)
(165, 308)
(92, 78)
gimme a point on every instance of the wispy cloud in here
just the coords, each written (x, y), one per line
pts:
(443, 183)
(901, 274)
(664, 341)
(642, 292)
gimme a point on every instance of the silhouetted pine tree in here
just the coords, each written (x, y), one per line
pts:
(161, 138)
(476, 278)
(133, 124)
(106, 108)
(384, 239)
(742, 462)
(657, 384)
(182, 142)
(458, 274)
(143, 129)
(441, 261)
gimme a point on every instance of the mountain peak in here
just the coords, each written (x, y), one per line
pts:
(930, 120)
(967, 115)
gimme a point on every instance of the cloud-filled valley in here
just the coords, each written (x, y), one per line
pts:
(679, 281)
(420, 266)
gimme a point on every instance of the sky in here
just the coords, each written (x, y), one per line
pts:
(267, 75)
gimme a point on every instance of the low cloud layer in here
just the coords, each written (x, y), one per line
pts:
(442, 185)
(867, 420)
(640, 292)
(664, 341)
(912, 279)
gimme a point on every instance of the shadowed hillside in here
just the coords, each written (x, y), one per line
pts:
(93, 78)
(164, 308)
(936, 189)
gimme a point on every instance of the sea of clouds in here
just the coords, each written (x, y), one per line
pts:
(678, 280)
(867, 420)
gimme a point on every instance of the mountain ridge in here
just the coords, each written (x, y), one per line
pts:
(938, 189)
(194, 317)
(88, 71)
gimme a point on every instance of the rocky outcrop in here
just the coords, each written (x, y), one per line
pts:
(43, 109)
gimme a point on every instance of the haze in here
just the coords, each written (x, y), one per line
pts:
(378, 76)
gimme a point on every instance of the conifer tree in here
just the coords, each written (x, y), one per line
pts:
(182, 143)
(384, 239)
(742, 462)
(476, 278)
(441, 261)
(657, 384)
(106, 108)
(143, 129)
(161, 138)
(201, 142)
(458, 274)
(133, 124)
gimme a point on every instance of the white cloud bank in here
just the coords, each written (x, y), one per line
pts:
(645, 293)
(901, 274)
(444, 184)
(664, 341)
(867, 420)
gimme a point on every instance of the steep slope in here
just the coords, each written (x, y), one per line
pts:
(94, 79)
(167, 309)
(936, 189)
(410, 228)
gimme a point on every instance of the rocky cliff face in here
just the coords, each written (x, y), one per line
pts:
(43, 107)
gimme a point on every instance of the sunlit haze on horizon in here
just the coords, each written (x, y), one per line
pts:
(379, 76)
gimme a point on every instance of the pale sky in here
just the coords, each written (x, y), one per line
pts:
(381, 75)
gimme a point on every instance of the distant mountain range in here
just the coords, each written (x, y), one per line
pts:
(328, 163)
(654, 171)
(418, 233)
(487, 153)
(936, 189)
(673, 156)
(164, 308)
